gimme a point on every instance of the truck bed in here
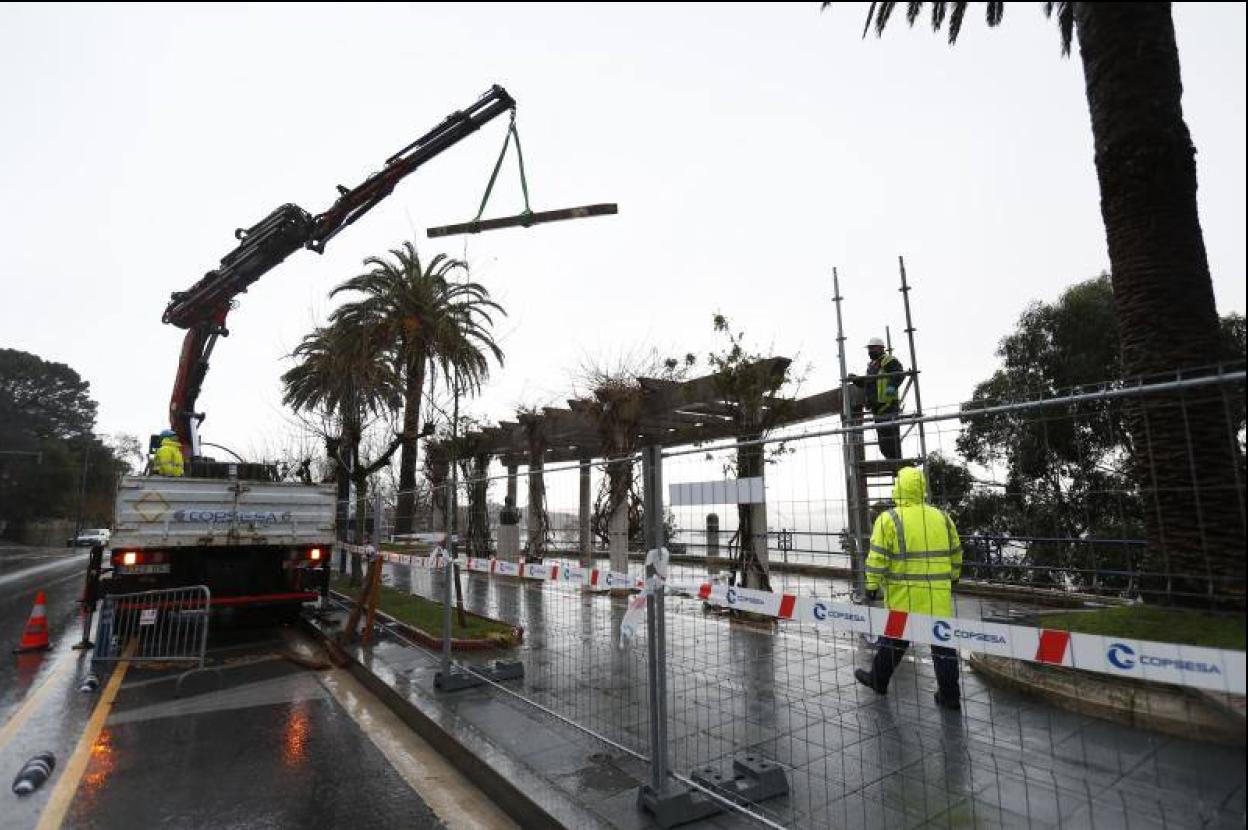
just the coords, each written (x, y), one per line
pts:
(164, 512)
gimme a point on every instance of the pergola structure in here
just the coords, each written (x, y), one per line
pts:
(613, 423)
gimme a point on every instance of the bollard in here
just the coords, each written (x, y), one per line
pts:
(34, 773)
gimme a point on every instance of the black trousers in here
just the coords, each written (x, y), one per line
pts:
(889, 435)
(890, 652)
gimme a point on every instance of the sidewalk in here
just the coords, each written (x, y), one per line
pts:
(853, 758)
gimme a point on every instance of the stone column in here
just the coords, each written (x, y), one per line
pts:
(586, 507)
(508, 526)
(617, 525)
(758, 523)
(537, 495)
(512, 473)
(712, 543)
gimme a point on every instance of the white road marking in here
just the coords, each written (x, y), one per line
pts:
(59, 564)
(286, 689)
(451, 796)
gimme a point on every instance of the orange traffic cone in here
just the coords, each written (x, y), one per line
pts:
(35, 636)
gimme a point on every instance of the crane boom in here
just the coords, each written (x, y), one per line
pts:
(202, 309)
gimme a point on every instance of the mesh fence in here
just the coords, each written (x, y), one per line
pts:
(1135, 719)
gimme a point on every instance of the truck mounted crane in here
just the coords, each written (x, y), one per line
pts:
(233, 530)
(202, 309)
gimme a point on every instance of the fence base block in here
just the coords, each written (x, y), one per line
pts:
(753, 779)
(457, 679)
(676, 806)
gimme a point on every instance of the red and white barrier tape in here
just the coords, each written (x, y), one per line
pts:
(1218, 670)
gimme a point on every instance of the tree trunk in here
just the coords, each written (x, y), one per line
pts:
(415, 385)
(1187, 459)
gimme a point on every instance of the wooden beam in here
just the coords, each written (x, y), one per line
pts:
(525, 220)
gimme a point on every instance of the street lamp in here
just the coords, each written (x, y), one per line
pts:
(82, 484)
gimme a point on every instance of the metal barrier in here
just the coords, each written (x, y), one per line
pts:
(169, 626)
(732, 676)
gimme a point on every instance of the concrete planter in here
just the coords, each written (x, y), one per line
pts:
(1158, 707)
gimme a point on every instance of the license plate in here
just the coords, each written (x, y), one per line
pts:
(136, 570)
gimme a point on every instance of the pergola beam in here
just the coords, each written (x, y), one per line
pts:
(525, 220)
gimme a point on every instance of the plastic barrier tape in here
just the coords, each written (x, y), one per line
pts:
(1196, 667)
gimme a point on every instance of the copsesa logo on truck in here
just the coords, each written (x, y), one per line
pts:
(266, 517)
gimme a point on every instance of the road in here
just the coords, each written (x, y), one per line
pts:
(260, 740)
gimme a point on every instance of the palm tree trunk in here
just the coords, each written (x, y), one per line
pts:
(1186, 455)
(415, 385)
(342, 482)
(351, 437)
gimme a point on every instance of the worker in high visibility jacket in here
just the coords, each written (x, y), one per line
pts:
(915, 559)
(168, 458)
(881, 386)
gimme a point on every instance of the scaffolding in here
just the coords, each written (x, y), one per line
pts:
(869, 482)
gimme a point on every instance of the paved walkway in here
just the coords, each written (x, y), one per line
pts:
(854, 759)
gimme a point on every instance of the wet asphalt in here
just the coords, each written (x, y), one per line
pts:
(256, 741)
(25, 571)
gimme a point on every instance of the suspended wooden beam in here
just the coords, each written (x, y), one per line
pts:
(525, 220)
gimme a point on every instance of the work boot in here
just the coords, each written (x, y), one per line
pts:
(865, 678)
(951, 705)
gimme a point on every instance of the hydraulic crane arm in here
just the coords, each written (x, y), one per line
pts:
(202, 309)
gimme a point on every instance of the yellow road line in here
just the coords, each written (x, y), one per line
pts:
(58, 802)
(33, 702)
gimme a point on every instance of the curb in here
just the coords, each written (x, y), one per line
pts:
(1191, 714)
(520, 792)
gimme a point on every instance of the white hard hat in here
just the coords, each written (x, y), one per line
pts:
(875, 341)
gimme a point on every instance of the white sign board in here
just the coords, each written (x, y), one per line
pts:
(147, 617)
(728, 491)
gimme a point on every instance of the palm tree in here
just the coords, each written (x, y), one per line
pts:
(433, 326)
(344, 371)
(1187, 457)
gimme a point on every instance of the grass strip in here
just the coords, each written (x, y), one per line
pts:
(1162, 625)
(426, 615)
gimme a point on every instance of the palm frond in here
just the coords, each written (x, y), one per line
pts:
(955, 21)
(878, 15)
(996, 11)
(1065, 13)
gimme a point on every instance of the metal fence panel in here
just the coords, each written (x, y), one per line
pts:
(763, 630)
(168, 626)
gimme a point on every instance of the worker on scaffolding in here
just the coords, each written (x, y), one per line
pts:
(881, 385)
(168, 458)
(915, 558)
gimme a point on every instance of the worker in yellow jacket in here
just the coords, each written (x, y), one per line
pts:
(915, 558)
(168, 459)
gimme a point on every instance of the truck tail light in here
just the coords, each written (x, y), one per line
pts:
(130, 558)
(315, 554)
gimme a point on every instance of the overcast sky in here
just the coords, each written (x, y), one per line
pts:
(750, 148)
